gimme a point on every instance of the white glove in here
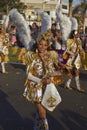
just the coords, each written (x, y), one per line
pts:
(33, 78)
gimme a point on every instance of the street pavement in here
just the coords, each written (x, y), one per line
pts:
(16, 113)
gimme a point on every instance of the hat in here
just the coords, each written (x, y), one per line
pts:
(45, 36)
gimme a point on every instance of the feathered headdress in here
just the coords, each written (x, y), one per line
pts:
(22, 27)
(45, 28)
(67, 24)
(45, 36)
(46, 22)
(74, 24)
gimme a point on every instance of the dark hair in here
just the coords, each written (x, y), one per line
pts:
(54, 24)
(34, 47)
(13, 26)
(72, 33)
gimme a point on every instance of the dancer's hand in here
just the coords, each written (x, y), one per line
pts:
(46, 80)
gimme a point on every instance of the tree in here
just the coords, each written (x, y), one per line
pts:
(6, 5)
(80, 10)
(70, 7)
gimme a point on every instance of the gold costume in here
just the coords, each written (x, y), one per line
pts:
(4, 41)
(75, 54)
(40, 69)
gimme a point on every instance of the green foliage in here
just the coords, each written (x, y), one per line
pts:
(70, 1)
(6, 5)
(80, 11)
(83, 6)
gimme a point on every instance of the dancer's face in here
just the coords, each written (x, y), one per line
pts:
(42, 46)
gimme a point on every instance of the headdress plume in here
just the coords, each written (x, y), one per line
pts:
(22, 27)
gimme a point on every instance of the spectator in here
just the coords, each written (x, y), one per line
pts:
(34, 31)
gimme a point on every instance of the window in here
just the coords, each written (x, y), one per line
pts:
(64, 6)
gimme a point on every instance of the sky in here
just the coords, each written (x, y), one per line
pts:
(74, 1)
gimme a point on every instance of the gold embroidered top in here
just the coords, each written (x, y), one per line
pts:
(75, 52)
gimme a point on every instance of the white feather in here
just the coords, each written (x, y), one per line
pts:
(74, 23)
(22, 27)
(67, 24)
(46, 22)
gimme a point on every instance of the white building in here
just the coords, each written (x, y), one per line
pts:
(33, 6)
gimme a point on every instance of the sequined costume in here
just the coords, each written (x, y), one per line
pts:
(4, 43)
(21, 56)
(35, 89)
(38, 69)
(74, 54)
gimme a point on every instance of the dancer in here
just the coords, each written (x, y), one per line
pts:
(41, 66)
(40, 73)
(74, 54)
(4, 44)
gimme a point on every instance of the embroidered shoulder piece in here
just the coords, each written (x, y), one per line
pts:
(54, 56)
(29, 57)
(69, 42)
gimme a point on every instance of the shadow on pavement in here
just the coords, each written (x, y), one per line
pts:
(9, 118)
(17, 66)
(83, 76)
(68, 120)
(73, 121)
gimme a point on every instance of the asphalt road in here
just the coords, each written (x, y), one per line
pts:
(16, 113)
